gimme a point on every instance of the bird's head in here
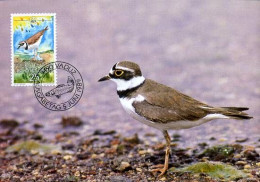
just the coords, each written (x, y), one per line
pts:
(22, 44)
(125, 74)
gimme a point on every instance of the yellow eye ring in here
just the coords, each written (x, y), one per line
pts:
(119, 73)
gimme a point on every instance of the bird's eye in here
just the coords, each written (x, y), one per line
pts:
(119, 73)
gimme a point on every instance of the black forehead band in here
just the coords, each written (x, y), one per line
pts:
(114, 67)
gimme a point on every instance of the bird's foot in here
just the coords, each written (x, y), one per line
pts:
(38, 58)
(159, 168)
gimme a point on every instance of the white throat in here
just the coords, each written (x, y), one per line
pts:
(128, 84)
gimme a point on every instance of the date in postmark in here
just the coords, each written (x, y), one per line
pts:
(33, 44)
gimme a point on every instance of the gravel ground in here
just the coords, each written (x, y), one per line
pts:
(26, 155)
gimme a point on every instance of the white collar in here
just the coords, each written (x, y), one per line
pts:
(128, 84)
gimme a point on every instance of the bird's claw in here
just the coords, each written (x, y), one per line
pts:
(159, 168)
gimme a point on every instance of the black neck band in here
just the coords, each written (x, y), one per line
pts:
(125, 93)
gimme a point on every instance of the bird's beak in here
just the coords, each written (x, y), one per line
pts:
(19, 46)
(107, 77)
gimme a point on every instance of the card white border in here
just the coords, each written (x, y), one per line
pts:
(12, 51)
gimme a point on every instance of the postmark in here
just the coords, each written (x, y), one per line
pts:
(68, 91)
(33, 45)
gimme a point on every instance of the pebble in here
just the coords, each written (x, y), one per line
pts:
(159, 146)
(241, 163)
(82, 156)
(142, 152)
(241, 140)
(124, 166)
(139, 169)
(258, 164)
(9, 123)
(119, 179)
(237, 156)
(71, 121)
(133, 140)
(163, 179)
(94, 156)
(222, 139)
(77, 174)
(55, 152)
(34, 152)
(247, 166)
(67, 157)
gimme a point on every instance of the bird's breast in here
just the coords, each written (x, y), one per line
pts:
(128, 107)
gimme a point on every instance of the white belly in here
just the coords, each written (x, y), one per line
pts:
(35, 45)
(174, 125)
(128, 107)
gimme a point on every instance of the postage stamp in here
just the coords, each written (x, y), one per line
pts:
(33, 45)
(68, 91)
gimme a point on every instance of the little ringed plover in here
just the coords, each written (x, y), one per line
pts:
(162, 107)
(33, 43)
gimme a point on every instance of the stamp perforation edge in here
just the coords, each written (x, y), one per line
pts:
(12, 51)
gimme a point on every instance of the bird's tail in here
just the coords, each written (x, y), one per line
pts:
(235, 112)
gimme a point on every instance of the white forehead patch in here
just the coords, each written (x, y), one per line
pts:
(124, 68)
(111, 71)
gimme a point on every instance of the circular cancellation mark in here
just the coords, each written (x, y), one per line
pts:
(66, 94)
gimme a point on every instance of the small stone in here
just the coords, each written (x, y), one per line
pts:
(133, 140)
(159, 146)
(212, 138)
(241, 163)
(163, 179)
(258, 164)
(124, 166)
(150, 135)
(142, 152)
(83, 156)
(5, 176)
(77, 174)
(94, 156)
(120, 179)
(205, 159)
(102, 155)
(9, 123)
(139, 169)
(69, 146)
(55, 152)
(237, 156)
(71, 121)
(37, 125)
(35, 172)
(222, 139)
(241, 140)
(247, 166)
(67, 157)
(100, 132)
(34, 152)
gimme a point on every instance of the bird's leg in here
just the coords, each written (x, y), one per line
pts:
(37, 55)
(163, 168)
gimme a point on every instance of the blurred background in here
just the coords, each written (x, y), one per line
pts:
(209, 50)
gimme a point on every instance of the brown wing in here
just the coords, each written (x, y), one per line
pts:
(166, 105)
(35, 37)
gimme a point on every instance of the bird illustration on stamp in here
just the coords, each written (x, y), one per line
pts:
(33, 43)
